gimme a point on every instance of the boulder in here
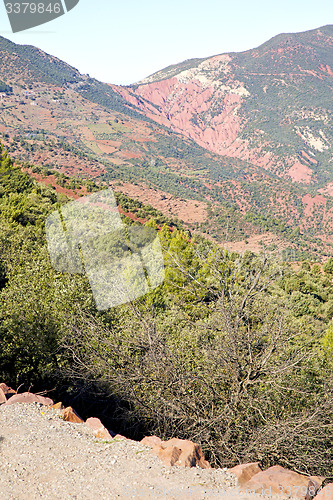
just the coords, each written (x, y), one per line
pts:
(169, 455)
(177, 452)
(29, 397)
(70, 415)
(3, 398)
(244, 472)
(8, 391)
(277, 480)
(326, 493)
(98, 428)
(151, 441)
(191, 453)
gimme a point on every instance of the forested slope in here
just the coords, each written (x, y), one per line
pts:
(233, 352)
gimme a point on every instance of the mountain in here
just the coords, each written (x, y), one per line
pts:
(271, 106)
(238, 146)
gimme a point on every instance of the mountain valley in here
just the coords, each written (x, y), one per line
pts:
(238, 146)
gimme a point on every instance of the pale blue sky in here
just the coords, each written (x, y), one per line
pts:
(124, 42)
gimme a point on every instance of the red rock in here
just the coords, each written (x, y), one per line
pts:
(70, 415)
(277, 480)
(174, 101)
(151, 441)
(326, 493)
(8, 391)
(191, 453)
(29, 397)
(3, 398)
(244, 472)
(177, 452)
(98, 428)
(58, 406)
(169, 455)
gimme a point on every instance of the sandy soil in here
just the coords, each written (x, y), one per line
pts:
(43, 457)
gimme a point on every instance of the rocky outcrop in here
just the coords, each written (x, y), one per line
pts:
(244, 105)
(277, 481)
(206, 105)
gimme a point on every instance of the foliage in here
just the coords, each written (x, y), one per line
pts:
(328, 266)
(44, 67)
(231, 351)
(7, 89)
(222, 356)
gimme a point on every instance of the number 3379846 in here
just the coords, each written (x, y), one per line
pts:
(32, 8)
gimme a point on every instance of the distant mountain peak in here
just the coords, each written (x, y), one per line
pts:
(270, 106)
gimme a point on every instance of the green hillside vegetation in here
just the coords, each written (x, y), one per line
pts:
(127, 204)
(233, 352)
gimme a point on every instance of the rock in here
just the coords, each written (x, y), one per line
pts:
(318, 480)
(177, 452)
(8, 391)
(70, 415)
(58, 406)
(169, 455)
(151, 441)
(326, 493)
(191, 454)
(29, 397)
(119, 436)
(98, 428)
(277, 480)
(244, 472)
(3, 398)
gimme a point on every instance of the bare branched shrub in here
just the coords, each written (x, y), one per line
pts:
(226, 365)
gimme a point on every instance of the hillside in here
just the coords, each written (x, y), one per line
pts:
(234, 349)
(231, 351)
(237, 152)
(270, 106)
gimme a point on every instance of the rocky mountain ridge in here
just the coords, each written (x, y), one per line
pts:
(223, 103)
(246, 138)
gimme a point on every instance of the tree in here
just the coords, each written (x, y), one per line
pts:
(328, 267)
(226, 364)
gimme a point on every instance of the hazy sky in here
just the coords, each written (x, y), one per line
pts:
(123, 42)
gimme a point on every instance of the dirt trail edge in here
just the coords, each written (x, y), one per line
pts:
(42, 456)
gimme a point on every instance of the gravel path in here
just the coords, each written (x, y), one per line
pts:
(44, 457)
